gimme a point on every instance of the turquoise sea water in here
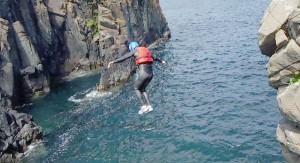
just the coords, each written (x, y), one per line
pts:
(212, 102)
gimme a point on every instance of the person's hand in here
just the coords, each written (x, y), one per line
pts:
(164, 62)
(110, 63)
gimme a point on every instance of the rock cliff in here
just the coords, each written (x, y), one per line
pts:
(46, 40)
(279, 38)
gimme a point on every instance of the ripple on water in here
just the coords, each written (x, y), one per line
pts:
(212, 102)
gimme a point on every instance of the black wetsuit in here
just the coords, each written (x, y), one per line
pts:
(143, 78)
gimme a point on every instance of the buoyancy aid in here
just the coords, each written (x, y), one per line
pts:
(144, 56)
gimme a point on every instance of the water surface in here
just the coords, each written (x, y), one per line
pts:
(212, 102)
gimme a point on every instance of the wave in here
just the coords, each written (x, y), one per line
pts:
(97, 94)
(73, 99)
(88, 94)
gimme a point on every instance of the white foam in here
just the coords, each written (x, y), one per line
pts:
(97, 94)
(148, 129)
(88, 95)
(73, 99)
(78, 75)
(30, 149)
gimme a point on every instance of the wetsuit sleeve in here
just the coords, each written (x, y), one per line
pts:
(155, 58)
(152, 47)
(122, 58)
(159, 60)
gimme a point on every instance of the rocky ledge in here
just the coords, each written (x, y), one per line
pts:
(279, 38)
(42, 41)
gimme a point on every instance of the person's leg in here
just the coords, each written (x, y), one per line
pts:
(137, 88)
(143, 79)
(141, 97)
(146, 97)
(143, 90)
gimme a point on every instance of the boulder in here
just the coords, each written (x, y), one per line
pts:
(281, 39)
(288, 134)
(283, 58)
(282, 78)
(30, 134)
(274, 18)
(108, 23)
(290, 157)
(17, 131)
(289, 103)
(7, 158)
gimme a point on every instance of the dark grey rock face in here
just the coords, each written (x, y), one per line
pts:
(41, 40)
(140, 21)
(17, 131)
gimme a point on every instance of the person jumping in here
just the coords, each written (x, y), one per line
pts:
(143, 60)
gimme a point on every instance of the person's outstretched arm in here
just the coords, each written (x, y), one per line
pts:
(122, 58)
(157, 59)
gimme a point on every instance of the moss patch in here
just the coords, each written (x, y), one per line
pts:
(295, 78)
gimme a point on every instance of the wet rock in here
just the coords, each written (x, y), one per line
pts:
(34, 80)
(7, 158)
(28, 134)
(104, 81)
(17, 131)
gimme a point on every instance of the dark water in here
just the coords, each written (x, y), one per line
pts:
(212, 103)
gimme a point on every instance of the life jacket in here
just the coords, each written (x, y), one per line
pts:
(144, 56)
